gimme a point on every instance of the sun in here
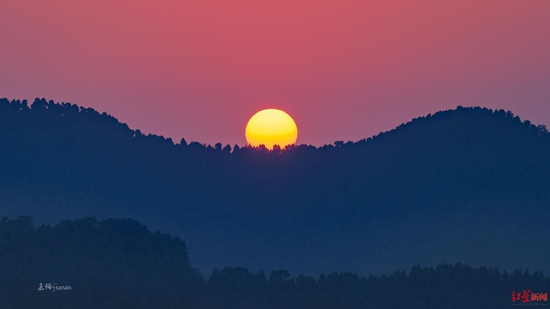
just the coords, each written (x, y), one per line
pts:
(271, 127)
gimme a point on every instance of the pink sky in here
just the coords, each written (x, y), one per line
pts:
(344, 70)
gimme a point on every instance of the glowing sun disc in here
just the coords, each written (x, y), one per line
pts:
(271, 127)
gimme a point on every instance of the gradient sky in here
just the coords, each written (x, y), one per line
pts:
(345, 70)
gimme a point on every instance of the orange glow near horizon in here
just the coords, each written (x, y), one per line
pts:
(271, 127)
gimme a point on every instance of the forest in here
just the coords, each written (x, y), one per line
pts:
(121, 264)
(467, 186)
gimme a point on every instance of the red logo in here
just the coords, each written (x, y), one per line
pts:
(521, 298)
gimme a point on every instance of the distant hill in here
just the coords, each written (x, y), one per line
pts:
(468, 185)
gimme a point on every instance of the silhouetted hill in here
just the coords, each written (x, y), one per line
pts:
(468, 185)
(88, 263)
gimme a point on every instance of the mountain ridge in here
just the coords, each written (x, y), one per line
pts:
(336, 207)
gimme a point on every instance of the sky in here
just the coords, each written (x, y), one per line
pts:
(344, 70)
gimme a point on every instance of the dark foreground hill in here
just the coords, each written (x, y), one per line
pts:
(468, 185)
(106, 264)
(88, 263)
